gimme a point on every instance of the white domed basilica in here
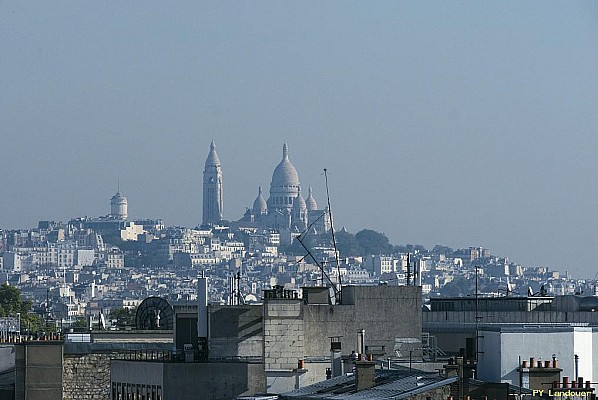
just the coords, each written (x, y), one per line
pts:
(286, 209)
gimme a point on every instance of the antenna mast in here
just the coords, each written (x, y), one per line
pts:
(338, 266)
(408, 269)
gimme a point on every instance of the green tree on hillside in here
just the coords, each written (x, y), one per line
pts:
(347, 244)
(373, 242)
(12, 304)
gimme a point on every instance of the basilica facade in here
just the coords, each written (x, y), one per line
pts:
(285, 209)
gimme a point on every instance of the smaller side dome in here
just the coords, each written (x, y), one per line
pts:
(299, 204)
(311, 201)
(259, 205)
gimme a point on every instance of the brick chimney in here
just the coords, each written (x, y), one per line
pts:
(365, 375)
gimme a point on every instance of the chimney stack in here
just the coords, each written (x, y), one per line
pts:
(336, 362)
(365, 375)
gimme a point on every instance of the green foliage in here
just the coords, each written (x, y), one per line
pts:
(439, 249)
(123, 316)
(373, 242)
(35, 323)
(347, 244)
(458, 287)
(80, 324)
(411, 248)
(11, 304)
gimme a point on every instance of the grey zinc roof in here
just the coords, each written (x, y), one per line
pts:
(390, 385)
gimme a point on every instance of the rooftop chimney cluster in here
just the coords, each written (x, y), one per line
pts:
(575, 384)
(539, 364)
(279, 292)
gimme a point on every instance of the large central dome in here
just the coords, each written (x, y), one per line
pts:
(284, 187)
(285, 173)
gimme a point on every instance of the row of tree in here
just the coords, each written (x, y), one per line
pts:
(364, 242)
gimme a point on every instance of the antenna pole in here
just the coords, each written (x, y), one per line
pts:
(408, 269)
(338, 266)
(239, 295)
(477, 317)
(319, 266)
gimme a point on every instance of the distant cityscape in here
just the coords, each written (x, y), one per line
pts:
(88, 267)
(276, 305)
(413, 240)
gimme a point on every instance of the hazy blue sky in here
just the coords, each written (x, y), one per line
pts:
(457, 123)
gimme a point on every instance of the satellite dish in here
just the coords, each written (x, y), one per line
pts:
(154, 313)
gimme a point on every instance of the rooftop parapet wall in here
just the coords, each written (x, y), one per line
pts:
(235, 331)
(387, 313)
(548, 317)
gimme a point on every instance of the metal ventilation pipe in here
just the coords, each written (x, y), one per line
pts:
(361, 341)
(202, 306)
(202, 316)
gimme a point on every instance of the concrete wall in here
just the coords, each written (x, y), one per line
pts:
(538, 345)
(503, 348)
(38, 371)
(7, 357)
(489, 360)
(212, 381)
(137, 372)
(386, 313)
(294, 330)
(533, 317)
(192, 381)
(316, 372)
(235, 331)
(583, 348)
(73, 371)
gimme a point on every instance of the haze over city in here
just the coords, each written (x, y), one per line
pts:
(461, 123)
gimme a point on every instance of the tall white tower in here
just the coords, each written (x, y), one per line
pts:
(119, 206)
(212, 187)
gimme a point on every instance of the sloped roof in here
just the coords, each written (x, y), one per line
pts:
(390, 384)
